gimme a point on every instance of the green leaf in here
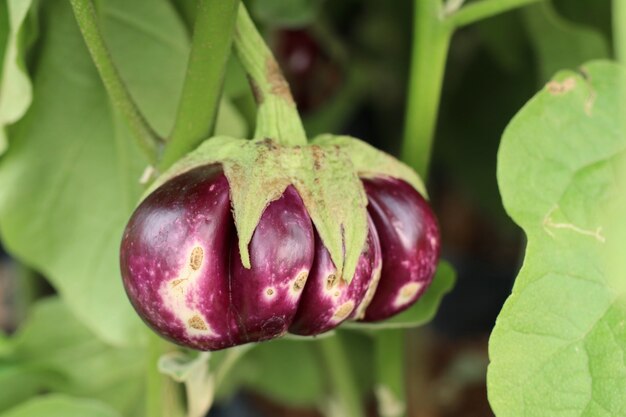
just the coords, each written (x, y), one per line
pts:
(56, 352)
(193, 371)
(264, 368)
(559, 43)
(423, 310)
(71, 177)
(292, 13)
(61, 406)
(559, 342)
(19, 383)
(15, 84)
(150, 47)
(229, 121)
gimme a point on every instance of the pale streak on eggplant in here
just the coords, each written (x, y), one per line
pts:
(174, 295)
(343, 311)
(359, 312)
(407, 293)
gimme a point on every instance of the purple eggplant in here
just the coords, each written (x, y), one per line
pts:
(409, 240)
(264, 298)
(182, 269)
(328, 300)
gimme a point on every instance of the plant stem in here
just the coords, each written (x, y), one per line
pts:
(341, 377)
(484, 9)
(431, 38)
(87, 19)
(202, 90)
(162, 394)
(390, 373)
(277, 116)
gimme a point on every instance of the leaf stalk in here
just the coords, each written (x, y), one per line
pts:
(146, 137)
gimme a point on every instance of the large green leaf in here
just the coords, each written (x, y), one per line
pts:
(61, 406)
(559, 43)
(559, 343)
(70, 178)
(15, 85)
(53, 351)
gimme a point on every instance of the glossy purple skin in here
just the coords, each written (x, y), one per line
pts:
(329, 300)
(176, 268)
(182, 269)
(409, 240)
(266, 296)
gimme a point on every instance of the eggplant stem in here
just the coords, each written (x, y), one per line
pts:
(341, 376)
(277, 116)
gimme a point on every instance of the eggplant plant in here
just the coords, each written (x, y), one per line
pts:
(205, 233)
(299, 252)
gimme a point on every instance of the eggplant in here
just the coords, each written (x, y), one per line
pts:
(182, 269)
(410, 243)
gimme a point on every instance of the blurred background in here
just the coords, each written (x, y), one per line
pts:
(347, 63)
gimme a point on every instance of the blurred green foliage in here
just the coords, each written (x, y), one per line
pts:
(70, 176)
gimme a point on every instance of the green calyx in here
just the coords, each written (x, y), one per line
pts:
(326, 173)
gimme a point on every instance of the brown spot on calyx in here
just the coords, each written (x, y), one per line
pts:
(196, 322)
(344, 310)
(318, 156)
(330, 281)
(298, 284)
(195, 260)
(278, 85)
(268, 143)
(557, 88)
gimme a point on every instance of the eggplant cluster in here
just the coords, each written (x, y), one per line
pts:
(183, 273)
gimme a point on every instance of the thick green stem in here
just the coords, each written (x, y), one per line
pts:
(199, 102)
(431, 38)
(484, 9)
(341, 377)
(432, 32)
(390, 373)
(87, 19)
(277, 116)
